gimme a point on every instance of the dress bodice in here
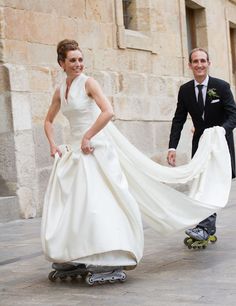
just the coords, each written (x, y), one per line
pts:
(80, 110)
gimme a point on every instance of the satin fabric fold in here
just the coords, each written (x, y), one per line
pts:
(163, 207)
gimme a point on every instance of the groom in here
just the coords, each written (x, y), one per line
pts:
(210, 102)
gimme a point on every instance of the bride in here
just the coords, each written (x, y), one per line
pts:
(100, 182)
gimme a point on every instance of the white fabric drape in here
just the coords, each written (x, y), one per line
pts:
(164, 208)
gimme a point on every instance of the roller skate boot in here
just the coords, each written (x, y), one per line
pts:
(65, 270)
(199, 238)
(90, 274)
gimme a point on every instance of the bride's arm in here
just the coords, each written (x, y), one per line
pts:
(94, 91)
(48, 123)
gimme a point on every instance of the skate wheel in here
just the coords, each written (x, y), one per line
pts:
(73, 276)
(124, 278)
(52, 276)
(63, 277)
(186, 241)
(213, 239)
(89, 280)
(112, 280)
(101, 281)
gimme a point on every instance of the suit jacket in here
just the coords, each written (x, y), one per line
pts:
(219, 111)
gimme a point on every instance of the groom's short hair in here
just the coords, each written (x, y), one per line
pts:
(197, 49)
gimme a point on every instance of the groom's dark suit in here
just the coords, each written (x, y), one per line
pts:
(219, 111)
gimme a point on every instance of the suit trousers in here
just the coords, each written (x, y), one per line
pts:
(209, 224)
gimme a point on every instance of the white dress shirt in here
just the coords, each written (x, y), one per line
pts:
(204, 92)
(204, 88)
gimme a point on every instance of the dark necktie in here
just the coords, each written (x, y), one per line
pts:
(200, 98)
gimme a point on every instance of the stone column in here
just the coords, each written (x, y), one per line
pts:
(17, 149)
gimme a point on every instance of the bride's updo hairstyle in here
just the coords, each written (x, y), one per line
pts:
(64, 46)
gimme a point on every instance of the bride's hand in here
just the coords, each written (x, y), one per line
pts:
(86, 146)
(54, 150)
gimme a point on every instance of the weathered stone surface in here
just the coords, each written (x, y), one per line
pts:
(105, 60)
(26, 178)
(17, 24)
(57, 7)
(41, 54)
(8, 172)
(42, 149)
(100, 10)
(134, 84)
(42, 178)
(183, 152)
(19, 77)
(146, 108)
(40, 24)
(21, 111)
(25, 196)
(16, 51)
(139, 133)
(39, 79)
(9, 209)
(25, 159)
(39, 104)
(6, 124)
(108, 81)
(4, 79)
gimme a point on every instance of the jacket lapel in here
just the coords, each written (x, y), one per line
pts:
(192, 96)
(208, 99)
(210, 85)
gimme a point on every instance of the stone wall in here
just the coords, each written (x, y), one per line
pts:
(140, 72)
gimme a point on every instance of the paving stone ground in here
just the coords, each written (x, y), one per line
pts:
(169, 273)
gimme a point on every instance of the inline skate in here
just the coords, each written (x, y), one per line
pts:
(90, 274)
(199, 238)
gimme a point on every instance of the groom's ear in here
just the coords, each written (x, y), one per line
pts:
(190, 65)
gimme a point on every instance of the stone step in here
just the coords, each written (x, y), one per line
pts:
(9, 209)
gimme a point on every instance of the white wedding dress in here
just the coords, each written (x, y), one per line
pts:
(91, 212)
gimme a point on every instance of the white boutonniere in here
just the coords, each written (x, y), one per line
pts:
(212, 93)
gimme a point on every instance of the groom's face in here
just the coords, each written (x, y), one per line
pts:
(199, 65)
